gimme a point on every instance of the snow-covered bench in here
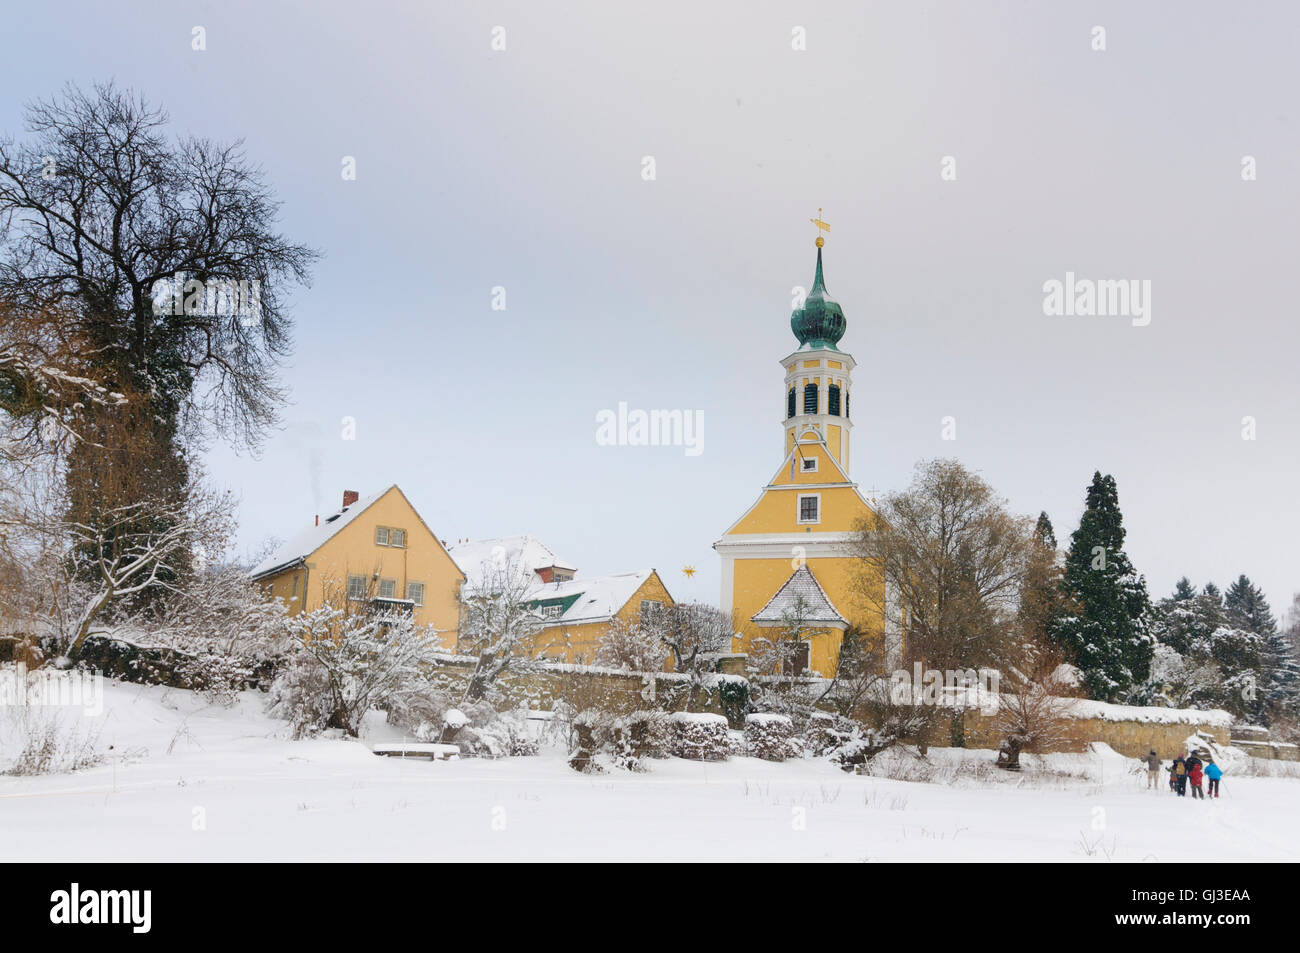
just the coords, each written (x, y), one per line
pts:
(430, 752)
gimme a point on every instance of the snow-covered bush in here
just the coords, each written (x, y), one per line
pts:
(768, 736)
(343, 664)
(699, 737)
(621, 741)
(632, 645)
(491, 734)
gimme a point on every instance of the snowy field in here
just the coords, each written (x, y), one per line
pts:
(190, 781)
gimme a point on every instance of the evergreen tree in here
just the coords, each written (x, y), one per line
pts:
(1108, 636)
(1183, 590)
(1043, 603)
(1276, 689)
(1043, 531)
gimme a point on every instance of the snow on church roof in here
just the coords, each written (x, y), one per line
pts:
(302, 545)
(817, 606)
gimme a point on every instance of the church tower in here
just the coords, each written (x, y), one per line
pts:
(791, 555)
(818, 375)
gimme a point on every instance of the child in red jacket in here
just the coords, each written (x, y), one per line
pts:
(1194, 777)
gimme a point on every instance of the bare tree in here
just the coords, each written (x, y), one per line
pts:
(694, 634)
(499, 622)
(1034, 705)
(104, 216)
(631, 644)
(953, 561)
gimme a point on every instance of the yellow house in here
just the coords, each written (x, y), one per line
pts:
(795, 543)
(376, 551)
(576, 612)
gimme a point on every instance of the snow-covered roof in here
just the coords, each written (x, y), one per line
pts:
(302, 545)
(598, 598)
(817, 606)
(526, 552)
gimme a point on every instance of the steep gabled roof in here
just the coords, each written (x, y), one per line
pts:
(817, 609)
(299, 547)
(525, 551)
(591, 600)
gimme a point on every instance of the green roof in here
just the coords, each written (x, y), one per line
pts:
(820, 322)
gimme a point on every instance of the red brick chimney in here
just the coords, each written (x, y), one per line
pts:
(350, 497)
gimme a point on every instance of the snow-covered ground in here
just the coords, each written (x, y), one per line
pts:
(190, 781)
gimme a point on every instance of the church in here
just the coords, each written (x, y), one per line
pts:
(793, 547)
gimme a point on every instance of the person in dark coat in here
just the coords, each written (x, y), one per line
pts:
(1180, 776)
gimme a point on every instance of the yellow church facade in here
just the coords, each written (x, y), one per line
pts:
(794, 545)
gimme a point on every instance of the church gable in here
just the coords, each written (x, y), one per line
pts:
(808, 494)
(802, 595)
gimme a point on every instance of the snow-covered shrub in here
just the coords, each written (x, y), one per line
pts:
(650, 734)
(343, 664)
(768, 736)
(632, 645)
(218, 677)
(699, 737)
(588, 727)
(621, 741)
(492, 734)
(302, 694)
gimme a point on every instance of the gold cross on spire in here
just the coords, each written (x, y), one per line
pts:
(821, 226)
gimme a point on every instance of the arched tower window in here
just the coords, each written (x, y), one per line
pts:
(810, 399)
(847, 398)
(833, 400)
(789, 404)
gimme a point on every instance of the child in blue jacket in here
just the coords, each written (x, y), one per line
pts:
(1213, 772)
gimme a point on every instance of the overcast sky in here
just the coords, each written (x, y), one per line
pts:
(522, 169)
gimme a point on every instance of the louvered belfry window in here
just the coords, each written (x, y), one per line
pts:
(833, 400)
(789, 403)
(810, 399)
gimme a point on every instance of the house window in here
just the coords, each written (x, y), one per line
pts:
(388, 589)
(649, 607)
(397, 537)
(847, 398)
(381, 535)
(810, 399)
(789, 404)
(295, 586)
(810, 509)
(356, 587)
(563, 577)
(809, 466)
(833, 400)
(552, 612)
(415, 592)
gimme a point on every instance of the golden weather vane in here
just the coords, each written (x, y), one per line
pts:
(821, 226)
(688, 571)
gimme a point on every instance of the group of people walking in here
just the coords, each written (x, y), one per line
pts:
(1185, 771)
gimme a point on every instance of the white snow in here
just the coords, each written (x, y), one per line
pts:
(189, 781)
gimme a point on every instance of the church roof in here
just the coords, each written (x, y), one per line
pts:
(820, 322)
(817, 606)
